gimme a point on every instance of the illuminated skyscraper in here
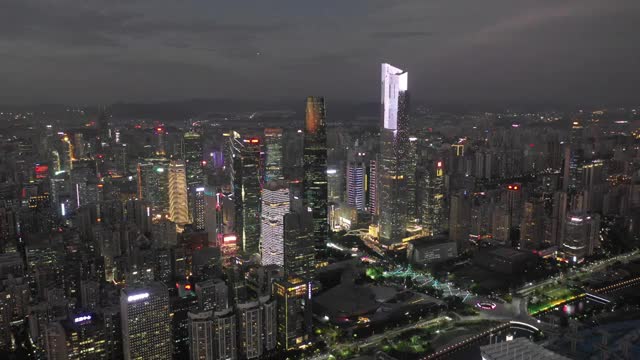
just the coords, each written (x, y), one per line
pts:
(356, 184)
(273, 142)
(293, 299)
(245, 176)
(178, 207)
(315, 166)
(146, 324)
(392, 172)
(275, 205)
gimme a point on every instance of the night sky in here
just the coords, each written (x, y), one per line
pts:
(102, 51)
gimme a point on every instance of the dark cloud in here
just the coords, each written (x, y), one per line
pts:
(455, 51)
(401, 34)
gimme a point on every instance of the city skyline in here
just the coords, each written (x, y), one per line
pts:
(250, 188)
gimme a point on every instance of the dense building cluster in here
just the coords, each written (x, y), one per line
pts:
(133, 238)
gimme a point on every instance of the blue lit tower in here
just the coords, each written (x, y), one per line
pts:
(393, 166)
(315, 166)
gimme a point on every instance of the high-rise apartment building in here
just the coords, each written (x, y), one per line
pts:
(250, 329)
(315, 166)
(275, 205)
(201, 331)
(145, 321)
(224, 335)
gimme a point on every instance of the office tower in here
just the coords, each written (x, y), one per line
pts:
(275, 205)
(273, 142)
(315, 167)
(393, 165)
(146, 324)
(245, 177)
(192, 153)
(153, 184)
(373, 187)
(532, 228)
(250, 329)
(356, 184)
(212, 295)
(299, 249)
(224, 338)
(198, 209)
(201, 335)
(178, 206)
(293, 299)
(582, 232)
(558, 217)
(433, 197)
(86, 338)
(460, 220)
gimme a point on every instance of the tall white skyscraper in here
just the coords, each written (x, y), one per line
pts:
(178, 202)
(275, 205)
(394, 167)
(146, 325)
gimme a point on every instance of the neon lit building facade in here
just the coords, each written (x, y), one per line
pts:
(178, 202)
(275, 205)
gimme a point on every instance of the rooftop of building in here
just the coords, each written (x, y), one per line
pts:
(517, 349)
